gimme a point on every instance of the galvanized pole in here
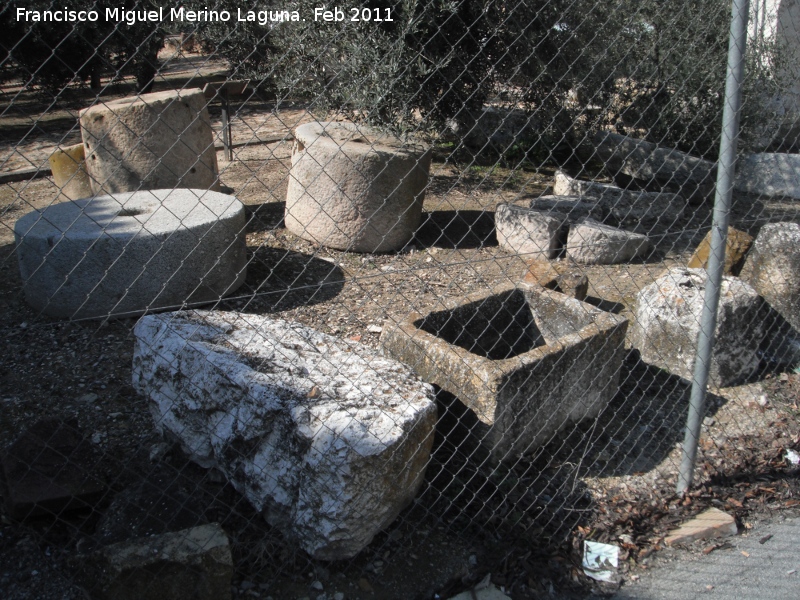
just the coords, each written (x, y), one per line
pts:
(719, 232)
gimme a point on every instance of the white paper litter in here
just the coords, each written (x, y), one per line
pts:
(599, 560)
(793, 457)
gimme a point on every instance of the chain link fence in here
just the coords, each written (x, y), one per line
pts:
(392, 299)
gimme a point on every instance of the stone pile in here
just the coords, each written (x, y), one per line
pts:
(587, 221)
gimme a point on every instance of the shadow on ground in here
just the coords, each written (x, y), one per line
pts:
(456, 229)
(280, 279)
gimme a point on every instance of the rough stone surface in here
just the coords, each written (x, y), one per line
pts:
(540, 229)
(737, 244)
(126, 253)
(192, 564)
(152, 141)
(68, 167)
(590, 242)
(324, 436)
(668, 314)
(354, 188)
(48, 470)
(559, 276)
(529, 232)
(712, 523)
(769, 174)
(528, 361)
(569, 209)
(625, 208)
(671, 170)
(773, 269)
(645, 212)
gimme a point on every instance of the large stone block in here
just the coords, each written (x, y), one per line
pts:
(625, 208)
(667, 325)
(769, 174)
(668, 169)
(593, 243)
(326, 437)
(528, 232)
(354, 188)
(528, 361)
(152, 141)
(127, 253)
(773, 269)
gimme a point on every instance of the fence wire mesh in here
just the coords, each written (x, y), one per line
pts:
(381, 300)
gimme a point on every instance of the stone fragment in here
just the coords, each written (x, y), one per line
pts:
(773, 269)
(152, 141)
(68, 166)
(354, 188)
(769, 174)
(123, 254)
(191, 564)
(711, 523)
(528, 361)
(590, 242)
(737, 245)
(667, 169)
(50, 469)
(667, 325)
(646, 211)
(324, 436)
(559, 276)
(540, 229)
(528, 232)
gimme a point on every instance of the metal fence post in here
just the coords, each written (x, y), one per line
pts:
(719, 230)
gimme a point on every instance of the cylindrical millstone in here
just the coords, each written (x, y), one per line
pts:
(354, 188)
(125, 254)
(153, 141)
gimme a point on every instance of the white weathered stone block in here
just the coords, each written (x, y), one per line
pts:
(667, 325)
(152, 141)
(593, 243)
(354, 188)
(325, 436)
(530, 232)
(769, 174)
(124, 254)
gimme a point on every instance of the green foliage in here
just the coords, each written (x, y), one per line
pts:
(53, 54)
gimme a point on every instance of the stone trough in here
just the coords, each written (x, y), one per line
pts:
(528, 361)
(326, 437)
(123, 254)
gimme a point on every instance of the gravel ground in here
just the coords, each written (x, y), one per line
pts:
(608, 480)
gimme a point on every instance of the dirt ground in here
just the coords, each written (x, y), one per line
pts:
(608, 480)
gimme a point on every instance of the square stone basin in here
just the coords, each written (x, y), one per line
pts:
(527, 360)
